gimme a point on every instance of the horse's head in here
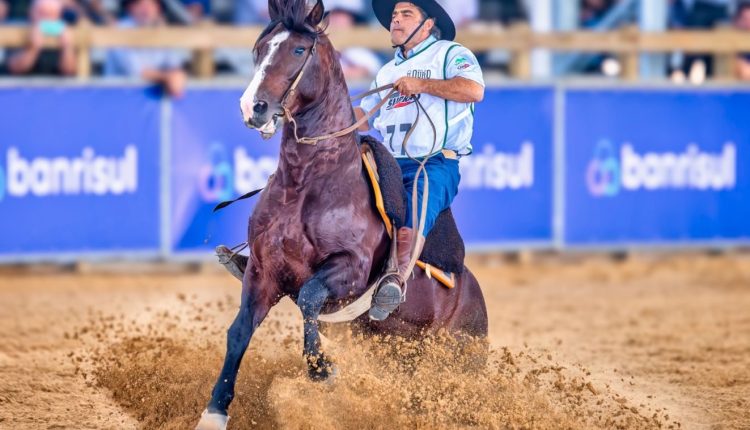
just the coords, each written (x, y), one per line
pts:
(289, 57)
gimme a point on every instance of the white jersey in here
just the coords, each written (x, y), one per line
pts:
(453, 121)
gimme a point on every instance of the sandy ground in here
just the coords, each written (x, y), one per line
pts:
(649, 342)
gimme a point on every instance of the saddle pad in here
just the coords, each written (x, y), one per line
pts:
(444, 247)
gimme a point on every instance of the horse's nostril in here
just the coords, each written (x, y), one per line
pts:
(260, 108)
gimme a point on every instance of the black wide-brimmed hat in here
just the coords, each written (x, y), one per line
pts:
(384, 12)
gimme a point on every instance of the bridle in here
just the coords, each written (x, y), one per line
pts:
(292, 91)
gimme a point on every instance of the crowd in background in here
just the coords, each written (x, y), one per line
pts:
(53, 18)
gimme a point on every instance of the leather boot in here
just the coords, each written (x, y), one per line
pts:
(389, 294)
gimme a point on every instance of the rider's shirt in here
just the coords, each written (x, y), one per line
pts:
(454, 122)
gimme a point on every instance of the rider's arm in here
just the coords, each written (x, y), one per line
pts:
(458, 89)
(463, 81)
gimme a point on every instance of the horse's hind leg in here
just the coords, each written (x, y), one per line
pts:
(253, 309)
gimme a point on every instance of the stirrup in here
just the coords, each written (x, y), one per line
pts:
(388, 296)
(226, 259)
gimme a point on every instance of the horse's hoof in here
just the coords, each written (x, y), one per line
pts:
(320, 369)
(212, 421)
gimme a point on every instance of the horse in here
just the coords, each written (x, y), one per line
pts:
(314, 236)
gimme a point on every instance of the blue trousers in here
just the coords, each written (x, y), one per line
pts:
(443, 175)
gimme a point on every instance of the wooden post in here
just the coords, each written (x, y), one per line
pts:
(725, 63)
(82, 42)
(520, 62)
(203, 57)
(630, 59)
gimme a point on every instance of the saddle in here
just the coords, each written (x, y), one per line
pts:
(444, 252)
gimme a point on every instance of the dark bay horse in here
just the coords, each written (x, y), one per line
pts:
(314, 235)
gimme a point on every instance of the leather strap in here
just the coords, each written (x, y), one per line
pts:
(354, 127)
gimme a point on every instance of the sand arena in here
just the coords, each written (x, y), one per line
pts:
(575, 342)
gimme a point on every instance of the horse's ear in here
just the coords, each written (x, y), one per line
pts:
(274, 10)
(315, 17)
(323, 26)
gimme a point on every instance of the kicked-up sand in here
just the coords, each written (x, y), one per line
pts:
(654, 341)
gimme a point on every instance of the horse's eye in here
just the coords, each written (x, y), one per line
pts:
(299, 51)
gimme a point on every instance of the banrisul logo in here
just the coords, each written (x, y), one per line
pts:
(217, 176)
(224, 177)
(616, 170)
(603, 173)
(499, 170)
(87, 174)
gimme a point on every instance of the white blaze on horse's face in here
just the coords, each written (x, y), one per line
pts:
(248, 99)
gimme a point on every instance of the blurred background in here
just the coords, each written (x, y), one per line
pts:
(607, 125)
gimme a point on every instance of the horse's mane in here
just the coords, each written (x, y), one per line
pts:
(292, 14)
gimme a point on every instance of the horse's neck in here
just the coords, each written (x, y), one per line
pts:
(300, 163)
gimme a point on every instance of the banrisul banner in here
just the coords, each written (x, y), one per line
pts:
(505, 194)
(506, 185)
(651, 166)
(79, 171)
(214, 158)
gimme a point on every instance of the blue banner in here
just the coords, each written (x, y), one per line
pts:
(214, 158)
(656, 167)
(79, 171)
(506, 187)
(505, 195)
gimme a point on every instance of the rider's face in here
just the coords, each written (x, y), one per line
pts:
(405, 19)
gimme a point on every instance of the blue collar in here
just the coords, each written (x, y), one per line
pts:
(425, 43)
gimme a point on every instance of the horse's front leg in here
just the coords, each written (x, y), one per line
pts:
(312, 297)
(255, 304)
(332, 282)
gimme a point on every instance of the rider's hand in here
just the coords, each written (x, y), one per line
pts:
(408, 86)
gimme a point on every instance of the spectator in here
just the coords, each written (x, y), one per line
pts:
(3, 10)
(199, 10)
(18, 10)
(505, 12)
(94, 10)
(699, 15)
(345, 13)
(462, 12)
(249, 12)
(592, 11)
(357, 63)
(703, 14)
(3, 17)
(742, 22)
(159, 66)
(45, 17)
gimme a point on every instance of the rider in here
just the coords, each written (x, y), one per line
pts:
(446, 79)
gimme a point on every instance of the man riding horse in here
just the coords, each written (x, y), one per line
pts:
(313, 235)
(446, 79)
